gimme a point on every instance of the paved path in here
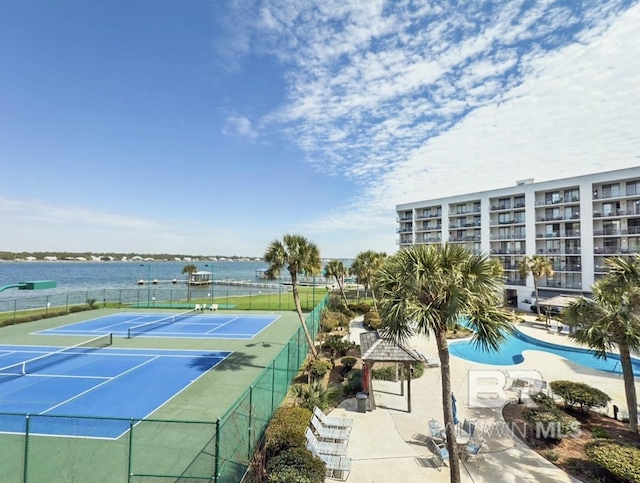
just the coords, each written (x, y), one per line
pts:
(384, 445)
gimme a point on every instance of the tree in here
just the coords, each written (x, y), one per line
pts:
(426, 289)
(337, 270)
(612, 318)
(189, 270)
(297, 255)
(538, 267)
(365, 266)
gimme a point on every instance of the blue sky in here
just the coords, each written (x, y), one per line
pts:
(215, 127)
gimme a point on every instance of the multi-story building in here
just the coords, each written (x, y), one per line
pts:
(576, 222)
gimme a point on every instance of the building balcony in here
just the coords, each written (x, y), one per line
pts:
(404, 218)
(558, 251)
(514, 281)
(463, 212)
(429, 215)
(510, 236)
(405, 230)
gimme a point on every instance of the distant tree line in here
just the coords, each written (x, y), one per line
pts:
(62, 255)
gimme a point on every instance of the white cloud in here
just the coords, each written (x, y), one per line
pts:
(240, 126)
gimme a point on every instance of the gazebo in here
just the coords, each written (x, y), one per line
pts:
(375, 348)
(559, 303)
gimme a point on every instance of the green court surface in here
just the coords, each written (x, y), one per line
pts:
(209, 428)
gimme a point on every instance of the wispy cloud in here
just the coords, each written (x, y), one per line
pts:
(239, 126)
(412, 100)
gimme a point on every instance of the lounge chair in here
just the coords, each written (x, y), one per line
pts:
(441, 454)
(469, 428)
(539, 385)
(323, 447)
(472, 451)
(337, 466)
(428, 359)
(329, 422)
(213, 307)
(437, 432)
(328, 433)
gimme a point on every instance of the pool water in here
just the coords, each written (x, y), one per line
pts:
(510, 353)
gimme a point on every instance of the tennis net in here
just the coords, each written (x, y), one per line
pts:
(46, 360)
(147, 326)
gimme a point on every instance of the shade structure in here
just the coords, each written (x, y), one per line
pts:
(455, 409)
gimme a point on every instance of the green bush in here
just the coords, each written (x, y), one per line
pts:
(286, 474)
(319, 368)
(543, 401)
(353, 307)
(621, 460)
(330, 320)
(78, 308)
(598, 432)
(384, 373)
(286, 429)
(551, 456)
(364, 307)
(372, 320)
(353, 384)
(301, 460)
(551, 424)
(580, 394)
(337, 345)
(348, 363)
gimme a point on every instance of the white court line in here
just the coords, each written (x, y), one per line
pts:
(67, 376)
(8, 353)
(221, 325)
(101, 384)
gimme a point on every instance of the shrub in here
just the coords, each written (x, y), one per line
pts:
(286, 429)
(353, 384)
(286, 474)
(348, 363)
(599, 432)
(300, 460)
(551, 424)
(353, 307)
(580, 394)
(384, 373)
(319, 368)
(328, 322)
(621, 460)
(78, 308)
(337, 345)
(372, 320)
(551, 456)
(364, 307)
(543, 401)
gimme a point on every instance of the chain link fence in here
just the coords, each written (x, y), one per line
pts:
(45, 448)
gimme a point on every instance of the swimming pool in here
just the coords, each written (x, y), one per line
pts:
(510, 353)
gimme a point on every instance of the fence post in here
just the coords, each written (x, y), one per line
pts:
(288, 362)
(273, 384)
(130, 462)
(26, 448)
(250, 421)
(216, 476)
(15, 309)
(67, 304)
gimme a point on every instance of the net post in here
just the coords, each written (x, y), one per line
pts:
(25, 470)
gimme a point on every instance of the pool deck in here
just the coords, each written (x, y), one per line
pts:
(385, 446)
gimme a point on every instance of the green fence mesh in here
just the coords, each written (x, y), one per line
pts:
(152, 451)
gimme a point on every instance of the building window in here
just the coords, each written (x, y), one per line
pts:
(610, 190)
(633, 188)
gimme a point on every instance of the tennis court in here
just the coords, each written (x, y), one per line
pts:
(189, 325)
(92, 379)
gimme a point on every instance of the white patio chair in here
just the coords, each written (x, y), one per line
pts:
(327, 433)
(324, 447)
(344, 423)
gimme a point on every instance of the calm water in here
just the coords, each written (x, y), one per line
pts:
(78, 276)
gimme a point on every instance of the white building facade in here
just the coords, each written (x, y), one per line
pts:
(576, 222)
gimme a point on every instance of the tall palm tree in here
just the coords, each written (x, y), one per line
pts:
(425, 289)
(189, 270)
(365, 266)
(611, 318)
(337, 270)
(538, 267)
(297, 255)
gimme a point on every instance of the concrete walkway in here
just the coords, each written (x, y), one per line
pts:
(385, 444)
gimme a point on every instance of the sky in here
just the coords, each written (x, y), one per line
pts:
(216, 127)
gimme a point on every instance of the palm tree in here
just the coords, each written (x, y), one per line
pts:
(189, 270)
(337, 270)
(538, 267)
(612, 318)
(315, 394)
(426, 289)
(365, 266)
(297, 255)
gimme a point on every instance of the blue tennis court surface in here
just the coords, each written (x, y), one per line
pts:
(193, 326)
(112, 383)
